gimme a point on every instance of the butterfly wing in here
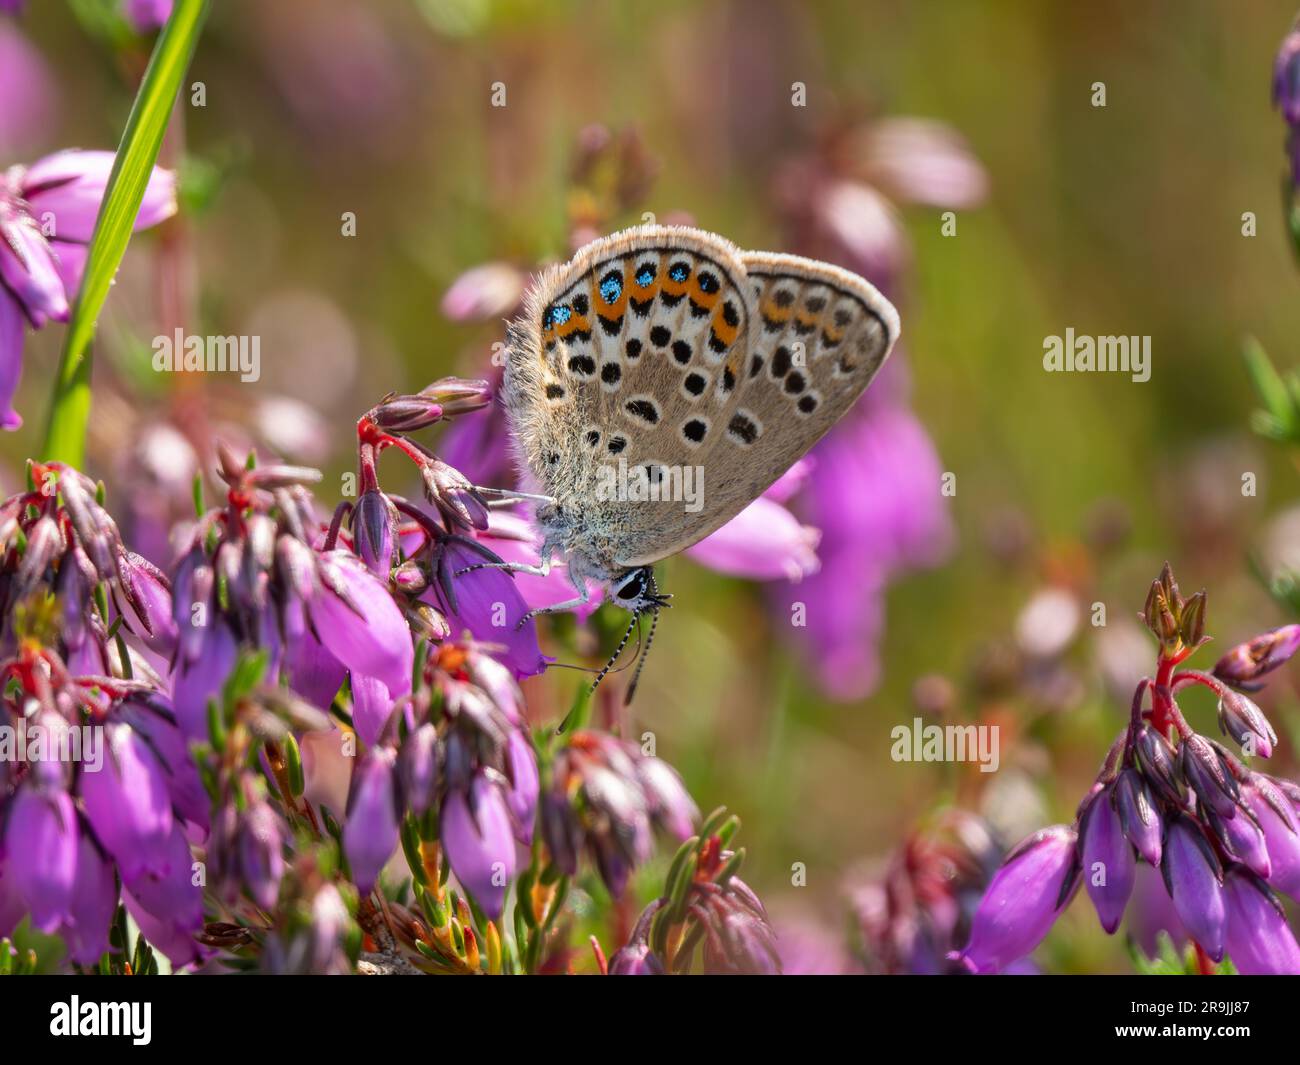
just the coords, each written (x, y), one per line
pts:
(666, 348)
(625, 360)
(818, 335)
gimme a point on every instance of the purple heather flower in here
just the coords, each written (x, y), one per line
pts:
(168, 938)
(148, 589)
(152, 718)
(738, 936)
(41, 842)
(636, 959)
(146, 16)
(127, 803)
(764, 542)
(28, 93)
(480, 447)
(373, 523)
(1023, 900)
(480, 844)
(1194, 880)
(605, 793)
(1208, 775)
(1246, 724)
(94, 901)
(521, 767)
(1286, 78)
(1249, 661)
(1258, 939)
(417, 768)
(1243, 839)
(1281, 828)
(1139, 816)
(170, 893)
(359, 624)
(200, 678)
(1108, 865)
(314, 673)
(891, 518)
(47, 216)
(12, 906)
(918, 160)
(488, 604)
(372, 706)
(261, 857)
(370, 835)
(485, 293)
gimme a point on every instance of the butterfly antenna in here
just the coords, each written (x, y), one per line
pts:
(617, 652)
(645, 651)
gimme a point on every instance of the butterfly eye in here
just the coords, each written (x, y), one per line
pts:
(632, 587)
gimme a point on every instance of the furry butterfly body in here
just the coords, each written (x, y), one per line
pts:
(664, 348)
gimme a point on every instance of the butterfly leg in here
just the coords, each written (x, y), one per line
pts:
(581, 599)
(510, 567)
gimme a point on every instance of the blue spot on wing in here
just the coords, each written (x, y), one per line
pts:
(611, 287)
(556, 316)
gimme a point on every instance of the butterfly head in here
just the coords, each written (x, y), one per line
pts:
(635, 590)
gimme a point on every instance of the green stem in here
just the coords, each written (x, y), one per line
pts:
(65, 435)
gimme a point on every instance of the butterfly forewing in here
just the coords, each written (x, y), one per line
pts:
(622, 364)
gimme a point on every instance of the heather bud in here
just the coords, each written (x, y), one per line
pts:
(453, 495)
(417, 768)
(1108, 865)
(1159, 764)
(406, 414)
(1258, 939)
(1245, 722)
(1023, 900)
(1138, 815)
(1207, 775)
(636, 959)
(373, 522)
(1194, 880)
(1242, 838)
(1249, 661)
(458, 395)
(1192, 622)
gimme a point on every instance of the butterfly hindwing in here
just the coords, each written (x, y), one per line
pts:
(817, 337)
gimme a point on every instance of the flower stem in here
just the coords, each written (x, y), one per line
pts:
(65, 434)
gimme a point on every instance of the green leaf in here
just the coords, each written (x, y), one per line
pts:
(1273, 392)
(65, 436)
(247, 675)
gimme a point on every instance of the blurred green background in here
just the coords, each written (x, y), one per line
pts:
(1123, 219)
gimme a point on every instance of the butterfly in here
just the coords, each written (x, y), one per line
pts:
(661, 354)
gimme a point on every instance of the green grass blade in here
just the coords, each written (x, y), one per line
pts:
(65, 436)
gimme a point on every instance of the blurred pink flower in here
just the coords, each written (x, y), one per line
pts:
(875, 495)
(764, 542)
(492, 290)
(146, 16)
(28, 93)
(47, 216)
